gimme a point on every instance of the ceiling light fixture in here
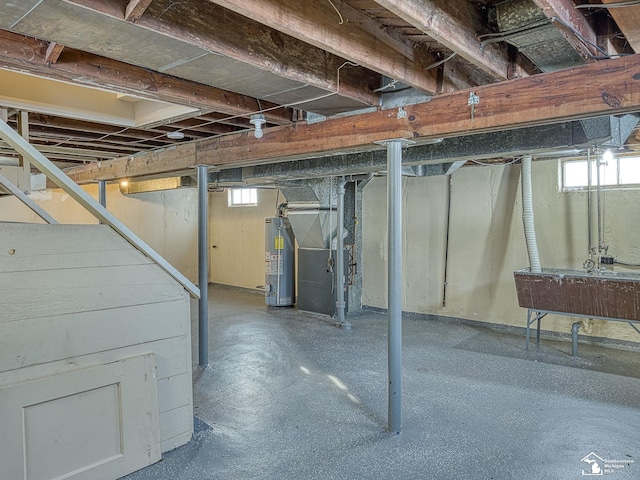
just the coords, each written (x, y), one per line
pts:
(258, 120)
(177, 135)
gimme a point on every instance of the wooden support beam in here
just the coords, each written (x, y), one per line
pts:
(81, 68)
(614, 88)
(343, 31)
(135, 9)
(54, 50)
(628, 19)
(229, 34)
(171, 159)
(573, 25)
(455, 24)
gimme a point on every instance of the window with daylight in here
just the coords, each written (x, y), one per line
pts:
(243, 197)
(614, 172)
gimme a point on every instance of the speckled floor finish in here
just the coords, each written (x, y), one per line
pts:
(290, 396)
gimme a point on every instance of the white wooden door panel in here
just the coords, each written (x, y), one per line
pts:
(91, 424)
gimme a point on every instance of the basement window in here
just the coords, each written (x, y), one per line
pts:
(243, 197)
(614, 172)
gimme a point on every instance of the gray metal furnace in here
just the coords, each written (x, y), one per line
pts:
(316, 280)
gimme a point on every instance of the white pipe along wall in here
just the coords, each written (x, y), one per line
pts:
(527, 216)
(486, 242)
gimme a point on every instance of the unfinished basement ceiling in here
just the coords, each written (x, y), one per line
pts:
(210, 64)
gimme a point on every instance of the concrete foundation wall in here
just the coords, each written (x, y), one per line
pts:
(486, 242)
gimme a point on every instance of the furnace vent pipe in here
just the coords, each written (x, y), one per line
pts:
(527, 216)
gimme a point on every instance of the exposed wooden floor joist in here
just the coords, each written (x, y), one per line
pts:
(81, 68)
(614, 88)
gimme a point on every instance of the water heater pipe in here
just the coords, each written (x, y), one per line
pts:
(527, 216)
(340, 304)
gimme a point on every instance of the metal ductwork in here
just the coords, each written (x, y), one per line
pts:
(310, 212)
(609, 131)
(522, 24)
(312, 224)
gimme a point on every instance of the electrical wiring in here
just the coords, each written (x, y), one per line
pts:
(523, 28)
(338, 12)
(392, 83)
(440, 62)
(517, 159)
(231, 117)
(489, 38)
(626, 264)
(604, 56)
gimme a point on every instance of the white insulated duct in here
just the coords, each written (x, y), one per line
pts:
(527, 216)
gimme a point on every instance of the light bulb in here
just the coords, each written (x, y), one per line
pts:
(176, 135)
(258, 120)
(607, 156)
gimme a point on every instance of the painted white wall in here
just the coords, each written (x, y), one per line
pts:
(167, 220)
(236, 235)
(486, 242)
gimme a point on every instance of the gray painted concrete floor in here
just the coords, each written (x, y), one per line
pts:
(290, 396)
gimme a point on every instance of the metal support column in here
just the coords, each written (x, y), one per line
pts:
(203, 264)
(394, 293)
(102, 193)
(340, 304)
